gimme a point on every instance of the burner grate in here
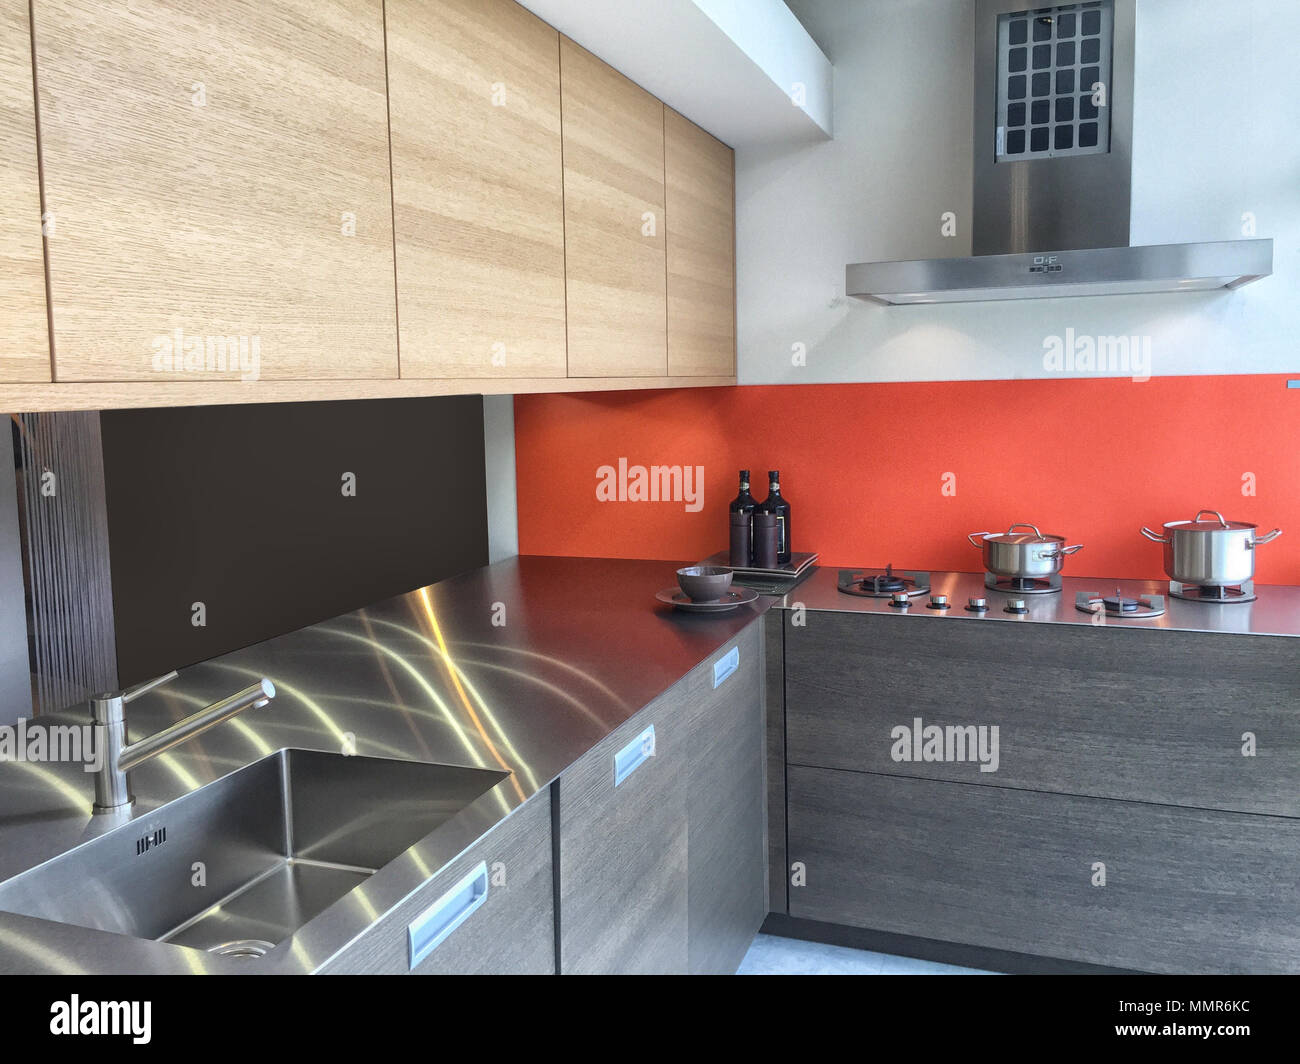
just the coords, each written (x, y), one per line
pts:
(874, 583)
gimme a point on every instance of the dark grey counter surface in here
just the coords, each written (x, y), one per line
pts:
(522, 666)
(1276, 611)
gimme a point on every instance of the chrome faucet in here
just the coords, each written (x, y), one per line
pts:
(118, 758)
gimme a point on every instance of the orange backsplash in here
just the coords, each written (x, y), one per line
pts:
(865, 467)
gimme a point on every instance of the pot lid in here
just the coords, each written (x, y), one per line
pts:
(1210, 526)
(1214, 523)
(1012, 536)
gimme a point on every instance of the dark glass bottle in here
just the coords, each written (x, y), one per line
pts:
(744, 502)
(742, 514)
(775, 503)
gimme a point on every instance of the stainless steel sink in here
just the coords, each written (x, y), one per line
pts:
(237, 866)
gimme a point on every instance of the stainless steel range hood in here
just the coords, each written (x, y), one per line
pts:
(1052, 166)
(1085, 272)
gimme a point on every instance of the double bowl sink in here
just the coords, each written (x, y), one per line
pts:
(239, 865)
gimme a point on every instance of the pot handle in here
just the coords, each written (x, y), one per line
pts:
(976, 544)
(1155, 537)
(1060, 552)
(1267, 537)
(1024, 524)
(1201, 513)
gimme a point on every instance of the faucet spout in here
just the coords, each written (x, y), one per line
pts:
(112, 784)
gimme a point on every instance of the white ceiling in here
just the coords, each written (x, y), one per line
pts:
(730, 66)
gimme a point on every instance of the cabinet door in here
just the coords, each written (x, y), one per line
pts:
(725, 801)
(1150, 716)
(613, 220)
(218, 175)
(1186, 890)
(508, 930)
(474, 99)
(701, 207)
(24, 328)
(623, 864)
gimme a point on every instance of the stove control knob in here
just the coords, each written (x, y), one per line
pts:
(978, 605)
(938, 602)
(1016, 605)
(900, 599)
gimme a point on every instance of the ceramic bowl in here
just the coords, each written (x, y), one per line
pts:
(704, 583)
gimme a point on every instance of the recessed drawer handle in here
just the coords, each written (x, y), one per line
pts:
(725, 666)
(634, 755)
(428, 930)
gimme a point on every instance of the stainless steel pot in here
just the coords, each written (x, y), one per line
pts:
(1215, 553)
(1019, 554)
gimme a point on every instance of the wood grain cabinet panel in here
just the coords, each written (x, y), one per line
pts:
(218, 175)
(1186, 890)
(511, 933)
(474, 100)
(1153, 716)
(727, 890)
(614, 222)
(700, 190)
(24, 327)
(623, 852)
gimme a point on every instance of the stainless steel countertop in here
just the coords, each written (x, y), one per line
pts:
(427, 676)
(1276, 611)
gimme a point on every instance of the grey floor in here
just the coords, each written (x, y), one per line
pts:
(770, 955)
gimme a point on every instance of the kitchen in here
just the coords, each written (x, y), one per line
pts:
(474, 311)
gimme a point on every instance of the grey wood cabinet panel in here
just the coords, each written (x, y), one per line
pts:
(1187, 890)
(774, 707)
(623, 858)
(1154, 716)
(511, 933)
(725, 811)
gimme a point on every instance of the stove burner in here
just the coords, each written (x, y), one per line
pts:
(875, 584)
(1023, 585)
(1244, 592)
(1120, 605)
(884, 582)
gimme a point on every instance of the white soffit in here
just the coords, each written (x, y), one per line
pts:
(734, 67)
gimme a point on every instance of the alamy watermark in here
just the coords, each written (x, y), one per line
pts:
(37, 743)
(175, 352)
(920, 742)
(1128, 356)
(656, 483)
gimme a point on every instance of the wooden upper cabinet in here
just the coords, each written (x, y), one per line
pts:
(701, 201)
(24, 327)
(613, 220)
(474, 99)
(218, 177)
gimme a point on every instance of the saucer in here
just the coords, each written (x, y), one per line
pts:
(737, 596)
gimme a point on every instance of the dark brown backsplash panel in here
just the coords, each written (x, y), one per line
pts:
(242, 509)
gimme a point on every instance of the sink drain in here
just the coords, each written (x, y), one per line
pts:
(244, 947)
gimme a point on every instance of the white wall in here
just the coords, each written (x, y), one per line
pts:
(1216, 117)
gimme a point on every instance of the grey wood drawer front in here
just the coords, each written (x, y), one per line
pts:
(1187, 890)
(1154, 716)
(511, 933)
(623, 863)
(725, 811)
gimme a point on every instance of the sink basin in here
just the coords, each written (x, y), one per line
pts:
(237, 866)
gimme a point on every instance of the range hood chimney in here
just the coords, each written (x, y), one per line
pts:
(1053, 173)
